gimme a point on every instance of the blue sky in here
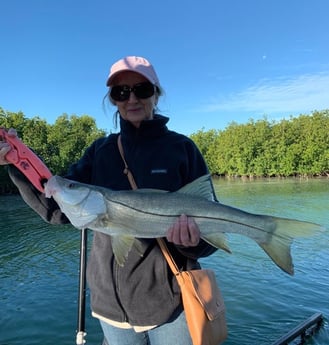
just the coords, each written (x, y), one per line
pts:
(218, 60)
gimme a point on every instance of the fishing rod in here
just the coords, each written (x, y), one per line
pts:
(81, 331)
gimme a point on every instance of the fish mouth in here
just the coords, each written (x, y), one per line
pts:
(50, 189)
(52, 186)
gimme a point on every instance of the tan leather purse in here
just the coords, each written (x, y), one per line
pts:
(203, 304)
(202, 301)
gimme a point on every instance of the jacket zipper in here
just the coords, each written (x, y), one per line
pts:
(117, 290)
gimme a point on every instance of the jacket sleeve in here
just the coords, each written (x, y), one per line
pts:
(47, 208)
(203, 249)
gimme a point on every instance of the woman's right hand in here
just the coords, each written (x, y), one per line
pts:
(5, 147)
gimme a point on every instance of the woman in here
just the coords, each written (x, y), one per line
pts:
(139, 303)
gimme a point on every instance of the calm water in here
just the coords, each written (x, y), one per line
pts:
(39, 270)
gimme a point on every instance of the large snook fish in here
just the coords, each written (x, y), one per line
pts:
(148, 213)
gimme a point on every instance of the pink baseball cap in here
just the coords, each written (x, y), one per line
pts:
(134, 64)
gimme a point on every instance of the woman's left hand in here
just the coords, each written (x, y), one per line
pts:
(184, 232)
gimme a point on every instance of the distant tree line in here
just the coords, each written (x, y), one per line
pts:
(295, 147)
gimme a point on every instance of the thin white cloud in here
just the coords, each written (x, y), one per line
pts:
(301, 94)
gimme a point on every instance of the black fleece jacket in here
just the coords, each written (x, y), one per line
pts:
(143, 292)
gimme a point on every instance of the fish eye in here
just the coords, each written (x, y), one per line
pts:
(71, 185)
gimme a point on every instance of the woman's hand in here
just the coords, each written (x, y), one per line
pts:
(184, 232)
(5, 147)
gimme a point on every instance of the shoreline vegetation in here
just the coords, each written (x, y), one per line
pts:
(296, 147)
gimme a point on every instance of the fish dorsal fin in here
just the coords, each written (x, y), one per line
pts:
(201, 187)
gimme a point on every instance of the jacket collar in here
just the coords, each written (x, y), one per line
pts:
(148, 128)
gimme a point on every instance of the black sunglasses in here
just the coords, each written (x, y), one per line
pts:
(121, 93)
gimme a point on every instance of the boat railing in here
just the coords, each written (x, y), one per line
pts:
(304, 330)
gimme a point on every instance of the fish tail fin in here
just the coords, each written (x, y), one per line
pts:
(280, 240)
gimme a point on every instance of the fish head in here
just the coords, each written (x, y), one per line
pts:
(81, 203)
(66, 190)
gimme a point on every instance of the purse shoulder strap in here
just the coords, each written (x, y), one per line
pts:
(168, 256)
(126, 170)
(161, 242)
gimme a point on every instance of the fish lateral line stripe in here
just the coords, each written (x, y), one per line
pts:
(195, 217)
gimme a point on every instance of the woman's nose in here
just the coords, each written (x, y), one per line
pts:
(132, 98)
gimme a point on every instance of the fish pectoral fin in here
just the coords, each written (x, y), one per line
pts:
(217, 240)
(138, 246)
(121, 246)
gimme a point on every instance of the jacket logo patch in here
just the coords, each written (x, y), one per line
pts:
(159, 171)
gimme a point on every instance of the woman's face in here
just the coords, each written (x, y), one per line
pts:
(134, 109)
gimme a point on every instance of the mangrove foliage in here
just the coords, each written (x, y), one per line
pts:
(298, 146)
(295, 147)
